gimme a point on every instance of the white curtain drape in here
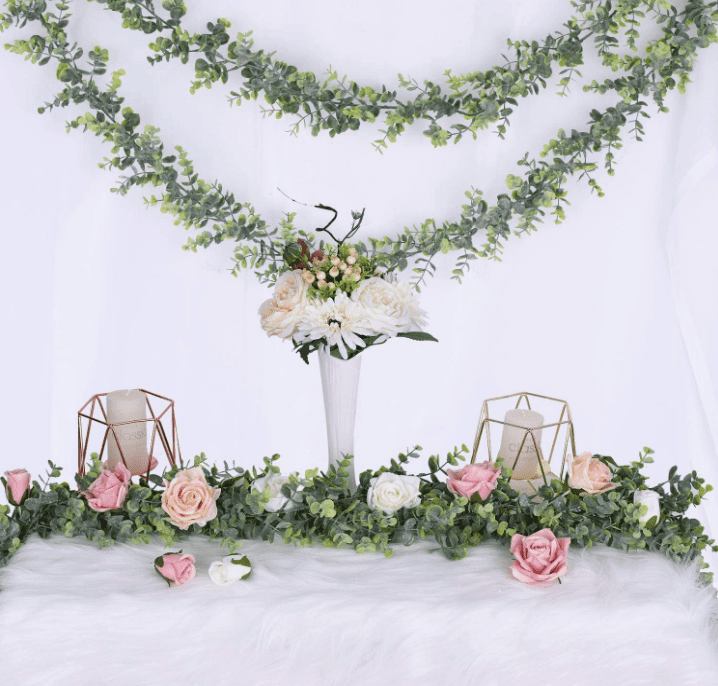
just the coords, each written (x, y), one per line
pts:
(615, 310)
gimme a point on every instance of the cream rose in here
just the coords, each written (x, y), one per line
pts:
(417, 317)
(386, 308)
(590, 474)
(390, 492)
(281, 314)
(229, 569)
(652, 501)
(188, 499)
(274, 483)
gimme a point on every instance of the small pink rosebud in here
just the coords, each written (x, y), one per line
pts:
(177, 569)
(308, 276)
(18, 484)
(353, 252)
(356, 277)
(341, 264)
(334, 272)
(348, 271)
(322, 283)
(335, 260)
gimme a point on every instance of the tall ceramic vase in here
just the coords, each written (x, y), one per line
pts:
(340, 385)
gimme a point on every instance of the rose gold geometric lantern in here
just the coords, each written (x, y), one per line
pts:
(522, 432)
(161, 412)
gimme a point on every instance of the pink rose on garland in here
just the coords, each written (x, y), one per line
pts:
(590, 474)
(189, 499)
(474, 478)
(18, 484)
(540, 557)
(109, 490)
(176, 569)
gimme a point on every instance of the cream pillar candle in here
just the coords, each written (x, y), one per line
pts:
(125, 406)
(527, 466)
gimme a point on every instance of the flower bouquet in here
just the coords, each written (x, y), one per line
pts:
(337, 301)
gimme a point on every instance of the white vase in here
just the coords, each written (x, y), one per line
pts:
(340, 385)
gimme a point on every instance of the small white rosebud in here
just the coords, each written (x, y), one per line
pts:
(334, 272)
(321, 276)
(353, 252)
(651, 500)
(341, 264)
(321, 283)
(308, 276)
(335, 260)
(351, 259)
(356, 277)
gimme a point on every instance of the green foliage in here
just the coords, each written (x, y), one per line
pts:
(468, 103)
(325, 511)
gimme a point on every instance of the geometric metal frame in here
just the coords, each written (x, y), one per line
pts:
(172, 451)
(565, 419)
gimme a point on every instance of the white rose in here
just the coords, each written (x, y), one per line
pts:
(230, 569)
(281, 314)
(274, 483)
(390, 492)
(651, 500)
(386, 309)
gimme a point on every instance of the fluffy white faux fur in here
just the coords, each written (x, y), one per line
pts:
(74, 614)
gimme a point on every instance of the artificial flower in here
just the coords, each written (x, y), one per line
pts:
(229, 569)
(17, 486)
(390, 492)
(274, 482)
(386, 309)
(540, 557)
(590, 474)
(651, 500)
(176, 568)
(188, 499)
(281, 314)
(109, 490)
(339, 321)
(474, 478)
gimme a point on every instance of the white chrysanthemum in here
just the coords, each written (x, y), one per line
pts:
(339, 321)
(387, 309)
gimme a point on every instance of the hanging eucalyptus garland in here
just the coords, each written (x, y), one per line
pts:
(338, 105)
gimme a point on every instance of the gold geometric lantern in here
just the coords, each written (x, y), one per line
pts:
(523, 430)
(161, 413)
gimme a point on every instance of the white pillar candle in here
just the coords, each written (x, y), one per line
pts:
(527, 466)
(126, 406)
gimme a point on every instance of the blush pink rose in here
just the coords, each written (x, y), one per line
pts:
(18, 484)
(474, 478)
(590, 474)
(539, 557)
(109, 490)
(189, 499)
(176, 568)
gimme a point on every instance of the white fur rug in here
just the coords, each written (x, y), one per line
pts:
(73, 614)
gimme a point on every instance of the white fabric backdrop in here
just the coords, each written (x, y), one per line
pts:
(615, 310)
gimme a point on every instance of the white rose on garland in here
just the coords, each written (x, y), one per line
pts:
(390, 492)
(282, 313)
(277, 500)
(229, 569)
(652, 501)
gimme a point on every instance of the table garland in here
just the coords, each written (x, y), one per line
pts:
(338, 106)
(598, 502)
